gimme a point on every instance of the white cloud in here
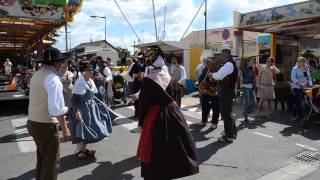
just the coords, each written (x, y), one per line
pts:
(140, 14)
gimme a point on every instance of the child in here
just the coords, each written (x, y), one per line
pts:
(282, 91)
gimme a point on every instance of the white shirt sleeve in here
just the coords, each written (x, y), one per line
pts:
(183, 75)
(54, 89)
(223, 71)
(107, 72)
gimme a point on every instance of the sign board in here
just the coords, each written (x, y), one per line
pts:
(33, 9)
(225, 34)
(264, 47)
(297, 11)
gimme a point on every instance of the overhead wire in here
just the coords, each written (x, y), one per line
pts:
(155, 21)
(139, 40)
(192, 20)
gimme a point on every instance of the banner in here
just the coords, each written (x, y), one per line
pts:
(303, 10)
(33, 9)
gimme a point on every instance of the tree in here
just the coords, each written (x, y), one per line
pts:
(52, 37)
(123, 54)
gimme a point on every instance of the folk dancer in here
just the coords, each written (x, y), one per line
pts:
(46, 111)
(166, 148)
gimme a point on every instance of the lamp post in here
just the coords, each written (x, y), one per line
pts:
(69, 32)
(105, 27)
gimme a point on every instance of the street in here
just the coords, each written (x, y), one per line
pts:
(264, 149)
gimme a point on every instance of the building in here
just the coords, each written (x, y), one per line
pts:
(98, 48)
(219, 37)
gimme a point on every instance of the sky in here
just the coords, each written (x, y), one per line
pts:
(140, 15)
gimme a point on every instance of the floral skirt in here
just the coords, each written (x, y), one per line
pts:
(266, 92)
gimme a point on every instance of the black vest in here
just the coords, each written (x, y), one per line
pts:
(232, 77)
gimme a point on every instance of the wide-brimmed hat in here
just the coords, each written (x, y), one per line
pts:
(53, 55)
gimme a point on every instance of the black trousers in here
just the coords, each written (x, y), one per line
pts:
(46, 137)
(209, 103)
(226, 102)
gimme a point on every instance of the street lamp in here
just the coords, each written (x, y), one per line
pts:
(69, 32)
(105, 27)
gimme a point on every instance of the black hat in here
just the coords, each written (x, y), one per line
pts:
(52, 54)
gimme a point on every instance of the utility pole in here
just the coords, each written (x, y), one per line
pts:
(205, 28)
(66, 34)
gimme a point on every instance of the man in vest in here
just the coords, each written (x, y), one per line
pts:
(226, 91)
(46, 111)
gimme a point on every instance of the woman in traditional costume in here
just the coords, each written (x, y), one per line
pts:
(91, 119)
(166, 148)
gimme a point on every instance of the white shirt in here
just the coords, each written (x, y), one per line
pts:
(7, 67)
(183, 74)
(199, 70)
(224, 71)
(54, 88)
(108, 74)
(129, 78)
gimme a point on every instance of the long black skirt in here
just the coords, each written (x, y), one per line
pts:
(174, 153)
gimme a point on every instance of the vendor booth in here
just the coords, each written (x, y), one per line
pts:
(288, 31)
(170, 48)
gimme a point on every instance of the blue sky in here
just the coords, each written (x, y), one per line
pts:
(140, 15)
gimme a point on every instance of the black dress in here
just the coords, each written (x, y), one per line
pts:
(168, 141)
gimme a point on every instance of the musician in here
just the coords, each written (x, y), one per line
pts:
(137, 73)
(178, 73)
(226, 91)
(209, 99)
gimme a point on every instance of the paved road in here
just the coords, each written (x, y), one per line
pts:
(264, 149)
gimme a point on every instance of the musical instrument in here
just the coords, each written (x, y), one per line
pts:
(140, 76)
(209, 86)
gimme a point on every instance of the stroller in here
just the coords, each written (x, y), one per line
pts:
(312, 102)
(119, 86)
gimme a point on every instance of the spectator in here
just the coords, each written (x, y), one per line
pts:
(266, 87)
(107, 73)
(137, 73)
(67, 79)
(300, 77)
(8, 67)
(200, 68)
(247, 82)
(178, 74)
(282, 91)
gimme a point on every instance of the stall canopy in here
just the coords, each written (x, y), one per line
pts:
(166, 46)
(301, 20)
(24, 23)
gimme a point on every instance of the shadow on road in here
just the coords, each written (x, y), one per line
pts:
(66, 163)
(116, 171)
(14, 107)
(14, 137)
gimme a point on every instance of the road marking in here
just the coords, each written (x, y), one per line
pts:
(249, 118)
(293, 171)
(125, 122)
(307, 147)
(264, 135)
(24, 140)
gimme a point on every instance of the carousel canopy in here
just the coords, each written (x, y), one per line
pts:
(24, 23)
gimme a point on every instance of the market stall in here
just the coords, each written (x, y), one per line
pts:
(288, 29)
